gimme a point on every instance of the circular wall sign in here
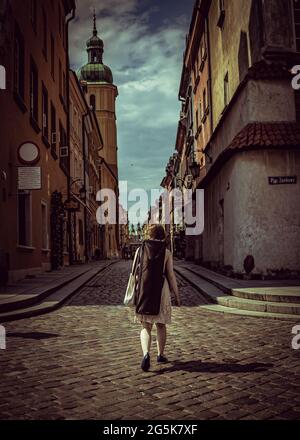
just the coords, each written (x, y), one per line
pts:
(29, 153)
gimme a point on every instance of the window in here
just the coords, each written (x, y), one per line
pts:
(45, 237)
(63, 148)
(60, 78)
(93, 102)
(53, 128)
(45, 113)
(59, 19)
(71, 112)
(33, 14)
(221, 20)
(226, 90)
(45, 35)
(80, 232)
(200, 110)
(52, 57)
(204, 101)
(297, 23)
(208, 95)
(19, 64)
(64, 87)
(80, 128)
(34, 113)
(24, 218)
(63, 31)
(75, 120)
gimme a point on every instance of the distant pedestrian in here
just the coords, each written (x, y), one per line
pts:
(155, 280)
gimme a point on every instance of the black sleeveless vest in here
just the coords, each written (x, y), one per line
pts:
(151, 277)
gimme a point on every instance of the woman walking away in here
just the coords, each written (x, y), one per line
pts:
(155, 282)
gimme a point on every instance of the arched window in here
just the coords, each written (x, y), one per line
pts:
(93, 102)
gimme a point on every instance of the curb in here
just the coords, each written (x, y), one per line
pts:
(38, 308)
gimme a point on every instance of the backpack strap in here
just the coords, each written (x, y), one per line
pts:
(135, 261)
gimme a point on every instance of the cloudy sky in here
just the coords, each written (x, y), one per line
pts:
(144, 43)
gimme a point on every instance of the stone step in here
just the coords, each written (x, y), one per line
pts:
(259, 305)
(271, 294)
(217, 308)
(208, 290)
(54, 300)
(37, 294)
(224, 303)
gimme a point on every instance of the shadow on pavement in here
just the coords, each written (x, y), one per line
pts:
(215, 367)
(33, 335)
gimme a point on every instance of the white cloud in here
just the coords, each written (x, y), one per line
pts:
(146, 62)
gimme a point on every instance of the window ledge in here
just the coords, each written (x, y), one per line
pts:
(35, 125)
(46, 251)
(20, 101)
(25, 248)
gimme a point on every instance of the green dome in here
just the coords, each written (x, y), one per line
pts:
(94, 42)
(96, 72)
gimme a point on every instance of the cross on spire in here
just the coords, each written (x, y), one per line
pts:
(95, 32)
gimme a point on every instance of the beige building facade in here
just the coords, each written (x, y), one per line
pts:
(97, 82)
(247, 141)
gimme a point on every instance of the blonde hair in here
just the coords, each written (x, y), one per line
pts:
(156, 232)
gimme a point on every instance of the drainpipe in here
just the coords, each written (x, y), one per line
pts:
(84, 116)
(68, 135)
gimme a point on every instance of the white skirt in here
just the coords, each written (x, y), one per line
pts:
(165, 311)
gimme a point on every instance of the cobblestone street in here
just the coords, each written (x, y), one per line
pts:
(83, 362)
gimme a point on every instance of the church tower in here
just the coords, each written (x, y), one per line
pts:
(101, 93)
(97, 82)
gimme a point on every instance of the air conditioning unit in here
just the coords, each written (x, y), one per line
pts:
(64, 152)
(182, 115)
(90, 190)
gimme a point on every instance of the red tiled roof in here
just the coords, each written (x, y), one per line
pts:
(256, 136)
(273, 135)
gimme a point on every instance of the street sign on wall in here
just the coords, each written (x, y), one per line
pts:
(283, 180)
(72, 206)
(29, 153)
(29, 178)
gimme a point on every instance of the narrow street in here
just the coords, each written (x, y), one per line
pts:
(83, 362)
